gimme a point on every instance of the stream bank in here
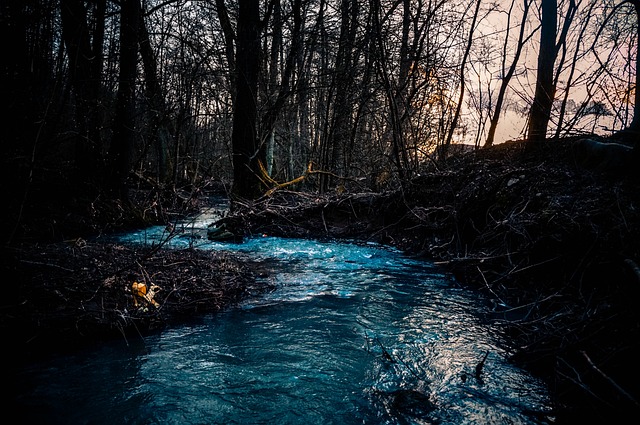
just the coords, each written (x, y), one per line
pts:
(555, 246)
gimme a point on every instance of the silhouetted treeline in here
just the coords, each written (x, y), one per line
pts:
(338, 94)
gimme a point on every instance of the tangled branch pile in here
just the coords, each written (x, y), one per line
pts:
(61, 292)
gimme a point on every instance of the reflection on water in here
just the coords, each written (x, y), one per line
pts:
(353, 334)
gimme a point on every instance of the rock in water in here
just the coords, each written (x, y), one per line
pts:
(222, 234)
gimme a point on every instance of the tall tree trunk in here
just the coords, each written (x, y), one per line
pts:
(158, 126)
(248, 155)
(398, 151)
(124, 121)
(85, 66)
(543, 98)
(273, 65)
(274, 110)
(633, 129)
(341, 86)
(467, 50)
(572, 68)
(229, 40)
(635, 122)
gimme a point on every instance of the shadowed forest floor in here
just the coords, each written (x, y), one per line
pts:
(553, 244)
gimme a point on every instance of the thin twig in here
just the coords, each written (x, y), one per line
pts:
(489, 288)
(611, 381)
(38, 263)
(533, 265)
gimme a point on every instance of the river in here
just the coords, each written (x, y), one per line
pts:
(352, 334)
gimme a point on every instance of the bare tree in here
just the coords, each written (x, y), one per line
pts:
(634, 126)
(633, 129)
(545, 92)
(333, 152)
(282, 91)
(248, 154)
(159, 131)
(124, 122)
(397, 143)
(465, 56)
(631, 132)
(507, 74)
(85, 66)
(229, 38)
(578, 53)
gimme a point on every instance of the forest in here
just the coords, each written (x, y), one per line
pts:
(359, 94)
(510, 124)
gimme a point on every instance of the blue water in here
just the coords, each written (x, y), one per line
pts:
(352, 334)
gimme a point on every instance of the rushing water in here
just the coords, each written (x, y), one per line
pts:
(352, 334)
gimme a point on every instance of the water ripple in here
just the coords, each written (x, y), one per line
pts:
(352, 334)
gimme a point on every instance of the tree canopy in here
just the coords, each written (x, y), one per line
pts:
(254, 95)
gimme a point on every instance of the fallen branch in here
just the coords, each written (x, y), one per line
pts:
(489, 288)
